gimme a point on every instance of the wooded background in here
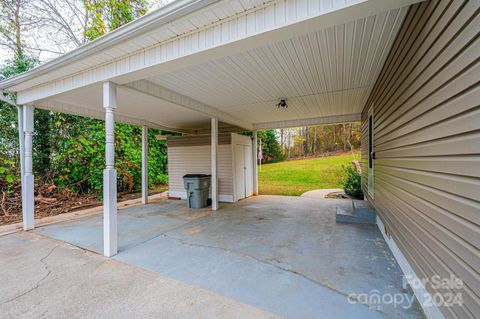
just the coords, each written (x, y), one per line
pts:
(68, 150)
(311, 141)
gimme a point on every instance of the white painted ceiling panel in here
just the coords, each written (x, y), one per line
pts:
(324, 73)
(135, 106)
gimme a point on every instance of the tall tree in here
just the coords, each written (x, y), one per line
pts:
(66, 18)
(282, 141)
(10, 25)
(108, 15)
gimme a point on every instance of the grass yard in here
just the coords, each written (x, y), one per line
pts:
(299, 176)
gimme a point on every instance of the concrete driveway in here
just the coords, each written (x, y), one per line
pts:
(261, 256)
(46, 278)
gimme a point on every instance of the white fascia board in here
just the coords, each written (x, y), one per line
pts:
(155, 19)
(259, 26)
(325, 120)
(153, 90)
(67, 108)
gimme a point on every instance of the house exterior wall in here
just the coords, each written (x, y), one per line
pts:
(192, 155)
(426, 119)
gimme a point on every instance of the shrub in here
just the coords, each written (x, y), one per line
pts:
(352, 183)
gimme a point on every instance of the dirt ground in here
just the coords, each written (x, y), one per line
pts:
(51, 201)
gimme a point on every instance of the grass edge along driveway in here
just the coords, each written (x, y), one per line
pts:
(295, 177)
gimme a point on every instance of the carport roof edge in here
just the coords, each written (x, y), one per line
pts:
(163, 42)
(159, 17)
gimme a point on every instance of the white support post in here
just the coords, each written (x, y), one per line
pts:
(255, 163)
(109, 173)
(144, 165)
(214, 163)
(26, 140)
(21, 143)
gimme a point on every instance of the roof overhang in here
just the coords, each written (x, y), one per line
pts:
(136, 28)
(193, 60)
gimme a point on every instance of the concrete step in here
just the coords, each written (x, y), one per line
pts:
(356, 211)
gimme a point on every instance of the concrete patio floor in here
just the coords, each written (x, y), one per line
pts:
(46, 278)
(283, 255)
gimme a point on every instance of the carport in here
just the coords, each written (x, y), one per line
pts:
(192, 64)
(407, 70)
(284, 255)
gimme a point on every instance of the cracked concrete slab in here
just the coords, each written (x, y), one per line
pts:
(284, 255)
(45, 278)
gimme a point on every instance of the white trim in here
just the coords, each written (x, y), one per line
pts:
(237, 139)
(74, 109)
(423, 296)
(157, 18)
(336, 119)
(255, 162)
(371, 171)
(183, 195)
(160, 93)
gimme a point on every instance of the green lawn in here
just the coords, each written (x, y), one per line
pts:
(298, 176)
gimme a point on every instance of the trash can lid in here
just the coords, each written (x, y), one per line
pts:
(195, 175)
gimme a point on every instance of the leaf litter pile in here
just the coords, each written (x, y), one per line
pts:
(49, 201)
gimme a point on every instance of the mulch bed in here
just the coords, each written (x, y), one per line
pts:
(338, 195)
(49, 201)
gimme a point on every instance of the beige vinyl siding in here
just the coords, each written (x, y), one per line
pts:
(427, 142)
(196, 160)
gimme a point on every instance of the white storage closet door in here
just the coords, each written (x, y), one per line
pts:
(243, 171)
(248, 171)
(240, 171)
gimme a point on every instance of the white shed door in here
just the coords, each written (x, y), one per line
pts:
(248, 171)
(243, 171)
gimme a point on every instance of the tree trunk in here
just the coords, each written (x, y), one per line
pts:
(281, 140)
(305, 151)
(289, 145)
(18, 37)
(334, 139)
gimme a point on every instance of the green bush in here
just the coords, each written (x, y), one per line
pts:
(352, 183)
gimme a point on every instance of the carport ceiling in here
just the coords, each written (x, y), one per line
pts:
(323, 57)
(325, 73)
(133, 106)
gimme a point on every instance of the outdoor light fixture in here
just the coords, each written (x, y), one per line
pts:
(283, 103)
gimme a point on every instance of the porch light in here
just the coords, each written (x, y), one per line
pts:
(282, 103)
